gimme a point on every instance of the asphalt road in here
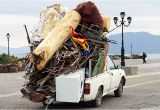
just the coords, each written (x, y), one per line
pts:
(141, 92)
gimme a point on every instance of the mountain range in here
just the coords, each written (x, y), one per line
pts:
(20, 52)
(141, 42)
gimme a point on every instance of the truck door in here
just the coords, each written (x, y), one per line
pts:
(107, 80)
(114, 73)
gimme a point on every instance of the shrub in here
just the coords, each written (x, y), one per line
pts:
(5, 59)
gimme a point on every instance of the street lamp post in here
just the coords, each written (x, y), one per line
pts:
(8, 36)
(122, 23)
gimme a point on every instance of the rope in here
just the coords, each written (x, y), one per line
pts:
(110, 30)
(89, 28)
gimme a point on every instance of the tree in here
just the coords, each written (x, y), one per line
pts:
(5, 59)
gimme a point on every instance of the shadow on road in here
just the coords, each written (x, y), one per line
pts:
(81, 105)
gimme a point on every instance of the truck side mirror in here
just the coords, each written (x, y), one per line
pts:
(119, 66)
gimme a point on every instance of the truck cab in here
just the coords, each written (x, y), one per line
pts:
(111, 80)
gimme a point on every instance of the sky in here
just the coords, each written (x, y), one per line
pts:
(15, 13)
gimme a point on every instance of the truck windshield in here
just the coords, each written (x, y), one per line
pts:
(110, 63)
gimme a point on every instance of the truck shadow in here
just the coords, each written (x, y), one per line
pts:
(81, 105)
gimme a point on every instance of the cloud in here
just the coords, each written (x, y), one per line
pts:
(149, 24)
(14, 19)
(15, 13)
(13, 24)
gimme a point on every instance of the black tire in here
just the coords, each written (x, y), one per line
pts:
(44, 104)
(98, 100)
(119, 91)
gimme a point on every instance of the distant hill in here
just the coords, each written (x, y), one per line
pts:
(142, 41)
(20, 52)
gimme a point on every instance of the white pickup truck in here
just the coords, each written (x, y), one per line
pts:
(82, 86)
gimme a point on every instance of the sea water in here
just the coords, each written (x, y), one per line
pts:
(149, 56)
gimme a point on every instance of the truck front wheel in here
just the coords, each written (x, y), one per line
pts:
(98, 100)
(119, 91)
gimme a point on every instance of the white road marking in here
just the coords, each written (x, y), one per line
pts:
(21, 78)
(143, 83)
(149, 74)
(148, 65)
(11, 94)
(153, 108)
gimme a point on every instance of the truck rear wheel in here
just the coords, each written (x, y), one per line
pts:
(98, 100)
(119, 91)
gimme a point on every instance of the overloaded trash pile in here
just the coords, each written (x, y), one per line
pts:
(63, 42)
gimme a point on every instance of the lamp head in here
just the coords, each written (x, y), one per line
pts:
(129, 19)
(122, 14)
(8, 35)
(115, 19)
